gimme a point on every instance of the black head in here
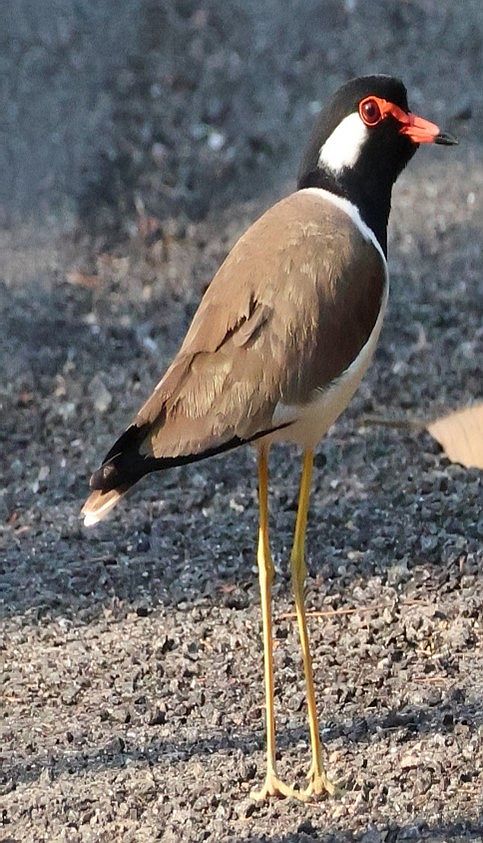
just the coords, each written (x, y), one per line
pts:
(362, 141)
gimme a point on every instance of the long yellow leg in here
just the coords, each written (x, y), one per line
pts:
(272, 785)
(318, 781)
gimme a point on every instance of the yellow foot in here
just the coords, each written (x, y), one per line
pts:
(274, 787)
(319, 785)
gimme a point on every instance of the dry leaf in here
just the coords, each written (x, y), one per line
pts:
(75, 276)
(460, 434)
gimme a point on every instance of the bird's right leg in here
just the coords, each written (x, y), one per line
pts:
(272, 785)
(319, 782)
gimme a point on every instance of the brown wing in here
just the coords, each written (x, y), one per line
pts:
(288, 311)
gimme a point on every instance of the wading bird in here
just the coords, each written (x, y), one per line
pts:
(282, 339)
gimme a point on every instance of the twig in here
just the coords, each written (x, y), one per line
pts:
(351, 610)
(430, 678)
(329, 613)
(405, 424)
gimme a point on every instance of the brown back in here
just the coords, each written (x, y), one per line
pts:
(287, 312)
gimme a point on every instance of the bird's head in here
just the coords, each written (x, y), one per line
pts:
(363, 139)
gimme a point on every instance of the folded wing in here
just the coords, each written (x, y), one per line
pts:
(272, 327)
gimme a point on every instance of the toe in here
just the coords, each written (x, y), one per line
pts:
(273, 787)
(320, 785)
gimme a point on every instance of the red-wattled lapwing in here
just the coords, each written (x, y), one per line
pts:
(282, 339)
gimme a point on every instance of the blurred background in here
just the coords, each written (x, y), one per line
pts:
(189, 105)
(138, 139)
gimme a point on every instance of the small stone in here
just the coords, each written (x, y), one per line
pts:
(235, 599)
(409, 760)
(114, 746)
(397, 573)
(101, 397)
(44, 472)
(247, 808)
(306, 827)
(70, 695)
(216, 140)
(157, 716)
(374, 836)
(248, 770)
(42, 475)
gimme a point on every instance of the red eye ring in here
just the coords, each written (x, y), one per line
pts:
(370, 111)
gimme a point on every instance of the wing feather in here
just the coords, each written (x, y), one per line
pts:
(287, 312)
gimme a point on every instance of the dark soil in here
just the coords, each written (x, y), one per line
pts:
(132, 656)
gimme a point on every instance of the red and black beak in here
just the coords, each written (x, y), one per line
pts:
(420, 130)
(373, 110)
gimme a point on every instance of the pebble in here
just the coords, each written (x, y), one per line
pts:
(99, 394)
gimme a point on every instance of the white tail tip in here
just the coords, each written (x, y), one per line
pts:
(98, 505)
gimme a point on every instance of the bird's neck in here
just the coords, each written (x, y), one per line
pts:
(371, 197)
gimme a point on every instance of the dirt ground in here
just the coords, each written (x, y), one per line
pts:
(132, 665)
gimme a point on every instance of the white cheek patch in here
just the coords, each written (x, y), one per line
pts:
(342, 148)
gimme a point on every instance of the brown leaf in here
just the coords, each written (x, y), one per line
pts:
(460, 434)
(75, 276)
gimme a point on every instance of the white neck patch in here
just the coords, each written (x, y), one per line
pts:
(353, 212)
(342, 148)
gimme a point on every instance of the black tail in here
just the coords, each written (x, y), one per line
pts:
(124, 464)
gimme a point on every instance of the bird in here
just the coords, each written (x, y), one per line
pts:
(279, 344)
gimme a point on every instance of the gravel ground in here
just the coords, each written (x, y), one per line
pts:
(133, 667)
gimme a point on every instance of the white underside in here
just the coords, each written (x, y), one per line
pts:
(310, 422)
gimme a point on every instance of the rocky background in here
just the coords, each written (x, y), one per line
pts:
(138, 140)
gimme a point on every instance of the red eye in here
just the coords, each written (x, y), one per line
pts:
(370, 112)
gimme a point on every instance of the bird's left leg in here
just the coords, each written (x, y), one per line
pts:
(272, 785)
(318, 781)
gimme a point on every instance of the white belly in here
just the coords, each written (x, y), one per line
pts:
(308, 423)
